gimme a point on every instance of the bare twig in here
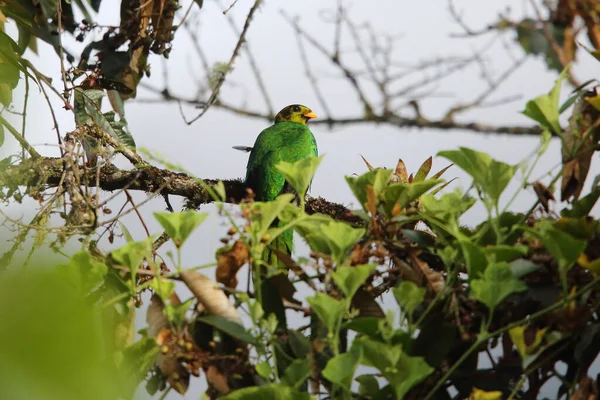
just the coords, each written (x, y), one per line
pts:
(221, 80)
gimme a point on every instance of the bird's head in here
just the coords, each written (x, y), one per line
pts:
(295, 113)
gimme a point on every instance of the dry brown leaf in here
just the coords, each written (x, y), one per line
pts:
(366, 304)
(155, 317)
(543, 194)
(168, 361)
(207, 292)
(577, 165)
(586, 390)
(229, 263)
(217, 380)
(407, 273)
(286, 288)
(401, 171)
(366, 162)
(435, 280)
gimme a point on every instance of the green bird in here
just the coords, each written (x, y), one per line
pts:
(290, 140)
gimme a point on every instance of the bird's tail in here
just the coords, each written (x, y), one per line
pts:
(271, 288)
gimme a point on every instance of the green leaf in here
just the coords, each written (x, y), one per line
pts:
(401, 370)
(49, 8)
(583, 206)
(85, 273)
(563, 247)
(423, 170)
(299, 343)
(219, 189)
(349, 279)
(544, 109)
(409, 296)
(300, 173)
(497, 283)
(297, 373)
(267, 392)
(368, 385)
(162, 287)
(545, 138)
(138, 360)
(402, 194)
(450, 205)
(132, 254)
(377, 178)
(180, 225)
(522, 267)
(502, 252)
(175, 313)
(10, 67)
(264, 369)
(88, 112)
(491, 175)
(229, 327)
(264, 213)
(341, 368)
(475, 259)
(5, 94)
(368, 326)
(329, 310)
(1, 135)
(325, 235)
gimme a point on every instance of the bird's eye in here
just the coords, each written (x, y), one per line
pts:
(296, 109)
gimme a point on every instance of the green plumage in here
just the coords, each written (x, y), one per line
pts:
(289, 139)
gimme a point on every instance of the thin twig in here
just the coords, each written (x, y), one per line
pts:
(236, 51)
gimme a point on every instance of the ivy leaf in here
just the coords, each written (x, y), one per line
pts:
(544, 109)
(267, 392)
(409, 296)
(341, 368)
(497, 283)
(349, 279)
(300, 173)
(180, 225)
(491, 175)
(329, 310)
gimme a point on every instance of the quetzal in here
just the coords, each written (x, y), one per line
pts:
(288, 139)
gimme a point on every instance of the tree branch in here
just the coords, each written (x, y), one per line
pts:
(48, 171)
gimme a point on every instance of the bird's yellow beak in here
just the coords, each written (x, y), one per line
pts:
(309, 115)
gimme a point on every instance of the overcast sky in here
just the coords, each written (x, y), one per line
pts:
(204, 148)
